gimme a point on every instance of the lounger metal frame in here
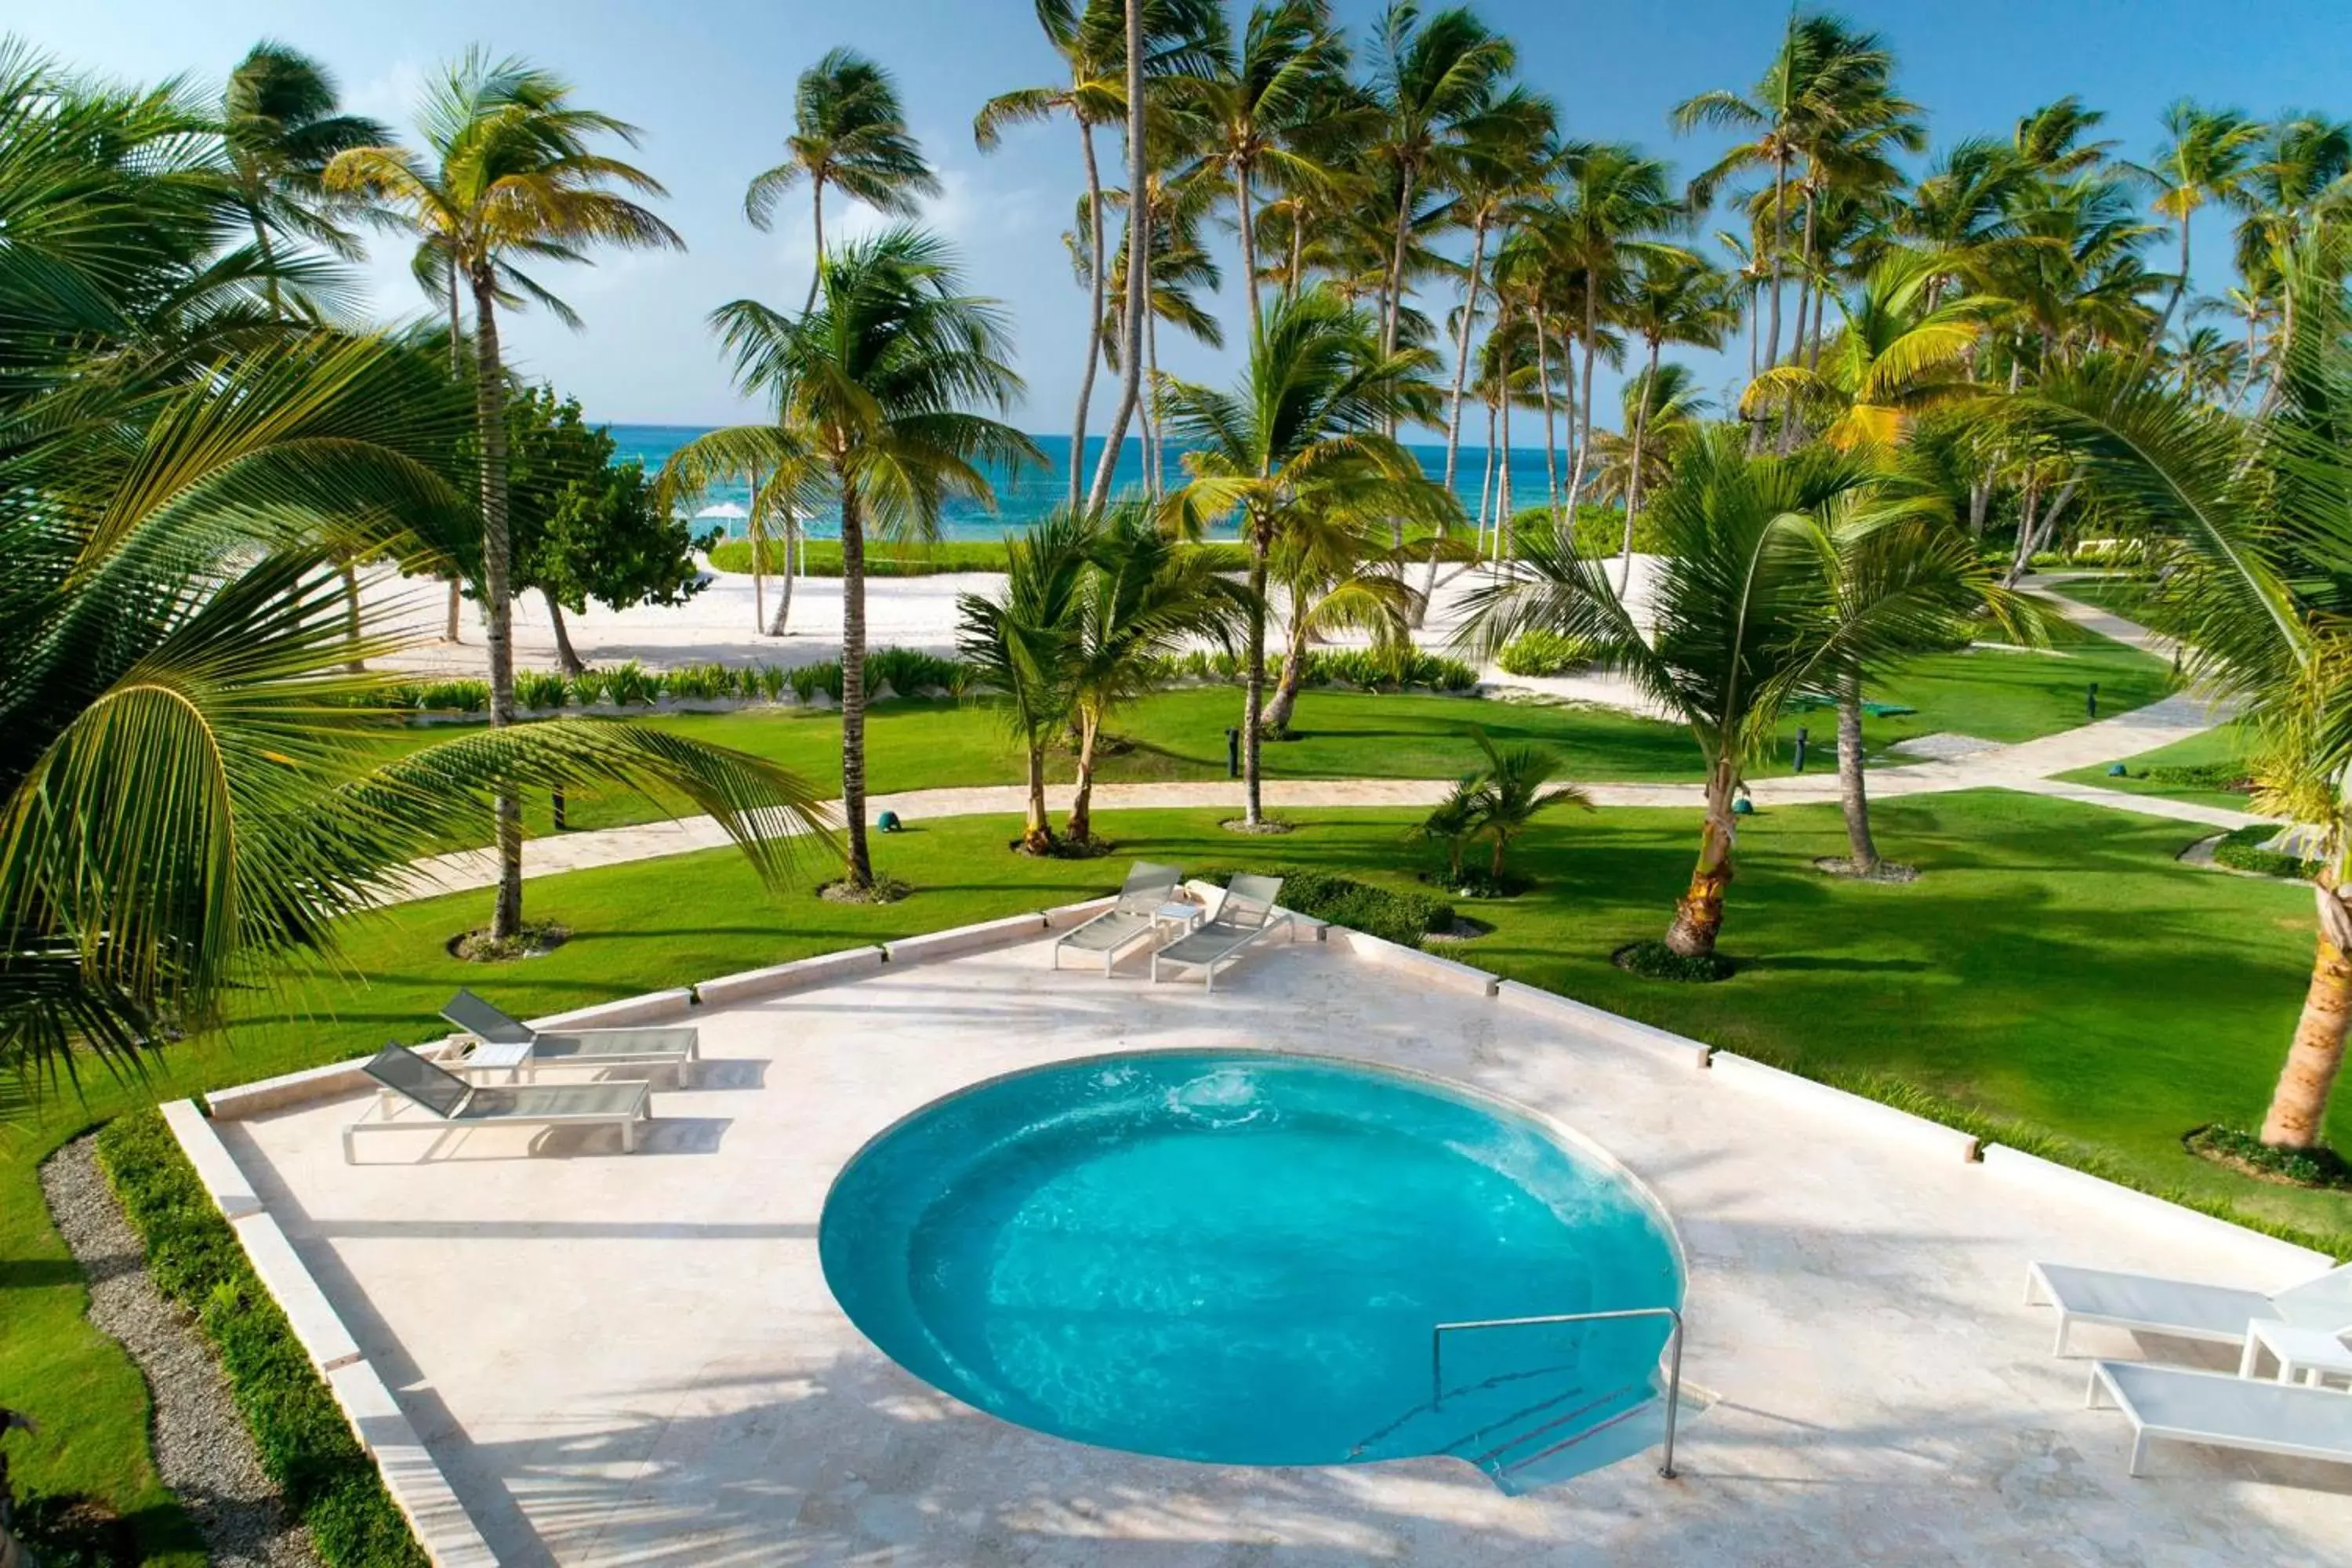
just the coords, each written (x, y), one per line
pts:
(2102, 1375)
(389, 1099)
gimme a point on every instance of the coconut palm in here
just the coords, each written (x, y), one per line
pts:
(1670, 299)
(1337, 577)
(787, 480)
(513, 174)
(2252, 512)
(1739, 620)
(847, 131)
(1301, 435)
(1021, 642)
(1511, 793)
(1451, 823)
(1505, 164)
(280, 128)
(1439, 82)
(876, 386)
(1665, 405)
(2203, 160)
(1144, 596)
(2297, 189)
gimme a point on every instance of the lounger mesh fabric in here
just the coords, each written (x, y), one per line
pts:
(552, 1099)
(2215, 1310)
(484, 1022)
(2231, 1412)
(2323, 1303)
(402, 1069)
(613, 1043)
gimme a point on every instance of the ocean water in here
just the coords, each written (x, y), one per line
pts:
(1240, 1257)
(1028, 495)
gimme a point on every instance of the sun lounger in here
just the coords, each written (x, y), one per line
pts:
(1132, 916)
(506, 1042)
(449, 1101)
(2150, 1303)
(2225, 1412)
(1246, 913)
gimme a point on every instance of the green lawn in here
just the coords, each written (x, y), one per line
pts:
(1180, 734)
(2117, 594)
(2222, 745)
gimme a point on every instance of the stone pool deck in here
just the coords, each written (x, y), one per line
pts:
(635, 1359)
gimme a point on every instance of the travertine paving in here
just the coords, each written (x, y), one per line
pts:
(635, 1359)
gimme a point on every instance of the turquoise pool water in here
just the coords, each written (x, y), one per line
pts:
(1239, 1257)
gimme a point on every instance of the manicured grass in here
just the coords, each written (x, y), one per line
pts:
(2225, 744)
(2117, 594)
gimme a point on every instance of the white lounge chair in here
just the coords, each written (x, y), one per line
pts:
(450, 1101)
(510, 1043)
(1244, 914)
(2150, 1303)
(2225, 1412)
(1132, 916)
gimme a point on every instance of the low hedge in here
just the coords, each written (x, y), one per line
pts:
(1400, 918)
(1544, 653)
(822, 557)
(2228, 778)
(2242, 850)
(306, 1445)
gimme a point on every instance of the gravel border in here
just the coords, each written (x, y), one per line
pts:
(203, 1450)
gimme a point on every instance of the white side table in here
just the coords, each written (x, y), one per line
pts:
(2309, 1356)
(489, 1056)
(1181, 913)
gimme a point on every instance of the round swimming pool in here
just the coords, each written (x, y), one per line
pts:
(1240, 1256)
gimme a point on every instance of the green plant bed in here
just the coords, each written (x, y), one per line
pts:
(1654, 960)
(2243, 1151)
(2206, 769)
(2241, 849)
(306, 1445)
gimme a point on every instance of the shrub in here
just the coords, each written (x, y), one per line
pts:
(2235, 1146)
(1375, 668)
(1544, 653)
(698, 682)
(542, 689)
(909, 670)
(456, 695)
(773, 680)
(808, 679)
(2242, 851)
(1399, 916)
(305, 1444)
(2229, 777)
(1656, 961)
(630, 685)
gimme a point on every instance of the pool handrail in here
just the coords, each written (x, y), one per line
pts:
(1674, 1364)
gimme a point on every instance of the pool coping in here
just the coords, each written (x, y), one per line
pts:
(447, 1530)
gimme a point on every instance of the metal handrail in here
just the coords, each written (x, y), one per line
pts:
(1673, 1364)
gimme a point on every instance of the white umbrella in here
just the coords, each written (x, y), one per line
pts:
(727, 510)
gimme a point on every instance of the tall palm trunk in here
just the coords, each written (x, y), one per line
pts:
(1507, 522)
(1486, 483)
(816, 217)
(784, 596)
(1543, 388)
(1154, 453)
(1392, 303)
(2298, 1108)
(498, 605)
(1081, 827)
(1297, 269)
(1460, 350)
(1293, 672)
(1698, 916)
(1634, 476)
(1772, 335)
(1249, 238)
(1584, 394)
(858, 869)
(1139, 263)
(1036, 832)
(1254, 678)
(1854, 798)
(457, 369)
(1094, 312)
(564, 656)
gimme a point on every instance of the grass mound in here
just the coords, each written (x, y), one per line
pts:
(1656, 961)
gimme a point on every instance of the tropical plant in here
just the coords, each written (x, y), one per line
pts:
(1301, 435)
(1512, 791)
(1143, 597)
(1337, 575)
(847, 131)
(1021, 642)
(1451, 823)
(2250, 514)
(1670, 299)
(1739, 620)
(2204, 159)
(280, 128)
(513, 175)
(872, 389)
(1665, 405)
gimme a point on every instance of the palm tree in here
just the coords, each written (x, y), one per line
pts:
(1505, 164)
(513, 176)
(787, 480)
(2298, 187)
(191, 782)
(847, 131)
(1337, 575)
(2252, 512)
(1664, 405)
(1021, 644)
(874, 386)
(2202, 160)
(1451, 823)
(1893, 360)
(1511, 793)
(1143, 597)
(1739, 620)
(1437, 82)
(1669, 300)
(279, 129)
(1301, 434)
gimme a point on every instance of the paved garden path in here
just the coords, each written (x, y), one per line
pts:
(2026, 766)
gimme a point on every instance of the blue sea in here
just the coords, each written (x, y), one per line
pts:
(1024, 497)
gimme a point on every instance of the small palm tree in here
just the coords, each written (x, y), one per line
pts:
(513, 174)
(1144, 597)
(1337, 575)
(1022, 643)
(1670, 300)
(1301, 435)
(847, 131)
(1665, 406)
(1512, 793)
(873, 387)
(1451, 823)
(1739, 620)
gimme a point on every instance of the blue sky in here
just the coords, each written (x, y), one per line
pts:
(710, 81)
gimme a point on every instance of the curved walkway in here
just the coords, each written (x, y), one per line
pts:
(2026, 766)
